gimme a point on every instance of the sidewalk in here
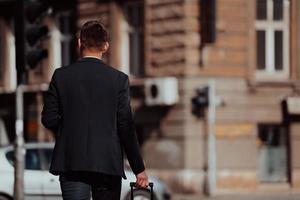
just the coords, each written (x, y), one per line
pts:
(292, 196)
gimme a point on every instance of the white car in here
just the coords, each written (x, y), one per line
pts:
(41, 185)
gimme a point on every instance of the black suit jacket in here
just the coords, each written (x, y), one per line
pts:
(87, 106)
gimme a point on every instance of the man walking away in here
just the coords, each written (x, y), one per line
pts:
(87, 106)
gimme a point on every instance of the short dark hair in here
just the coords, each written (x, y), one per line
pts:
(93, 35)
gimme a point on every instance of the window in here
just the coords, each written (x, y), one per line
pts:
(273, 153)
(48, 156)
(272, 39)
(134, 16)
(32, 159)
(10, 157)
(208, 21)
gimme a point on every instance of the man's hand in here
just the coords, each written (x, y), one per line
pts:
(142, 180)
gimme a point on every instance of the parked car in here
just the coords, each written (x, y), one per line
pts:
(39, 184)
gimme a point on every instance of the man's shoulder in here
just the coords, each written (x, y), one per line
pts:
(118, 73)
(121, 75)
(115, 70)
(62, 68)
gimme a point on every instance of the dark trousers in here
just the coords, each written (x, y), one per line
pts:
(80, 185)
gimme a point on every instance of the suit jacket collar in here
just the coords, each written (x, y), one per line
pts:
(90, 59)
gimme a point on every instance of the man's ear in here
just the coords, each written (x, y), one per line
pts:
(106, 46)
(78, 43)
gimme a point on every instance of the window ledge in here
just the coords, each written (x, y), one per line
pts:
(273, 83)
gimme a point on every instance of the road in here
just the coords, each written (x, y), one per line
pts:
(277, 196)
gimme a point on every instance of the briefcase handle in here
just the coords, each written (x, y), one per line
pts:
(132, 185)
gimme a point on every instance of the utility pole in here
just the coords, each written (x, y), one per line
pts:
(204, 106)
(19, 147)
(19, 124)
(211, 141)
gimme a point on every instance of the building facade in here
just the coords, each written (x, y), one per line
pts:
(250, 48)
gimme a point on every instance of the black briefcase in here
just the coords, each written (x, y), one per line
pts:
(133, 189)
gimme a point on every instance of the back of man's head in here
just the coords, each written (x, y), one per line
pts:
(93, 36)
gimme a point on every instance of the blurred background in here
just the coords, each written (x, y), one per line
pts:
(173, 50)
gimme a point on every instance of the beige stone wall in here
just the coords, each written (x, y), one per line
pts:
(183, 147)
(173, 39)
(92, 9)
(236, 129)
(231, 44)
(172, 36)
(245, 106)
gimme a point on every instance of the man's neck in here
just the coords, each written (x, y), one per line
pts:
(92, 54)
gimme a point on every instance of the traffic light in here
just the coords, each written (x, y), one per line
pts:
(35, 31)
(29, 33)
(200, 102)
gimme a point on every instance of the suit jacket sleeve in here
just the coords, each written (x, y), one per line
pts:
(51, 113)
(126, 128)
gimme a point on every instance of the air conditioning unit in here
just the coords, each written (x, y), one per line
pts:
(161, 91)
